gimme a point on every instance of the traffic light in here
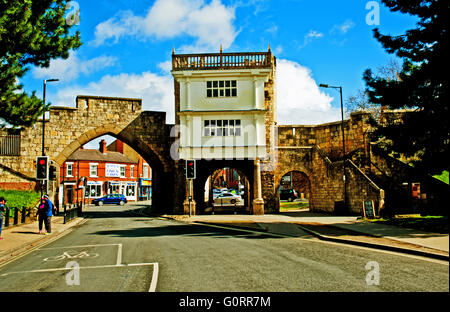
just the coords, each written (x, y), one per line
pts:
(42, 167)
(52, 172)
(190, 169)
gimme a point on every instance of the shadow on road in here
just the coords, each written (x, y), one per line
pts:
(190, 230)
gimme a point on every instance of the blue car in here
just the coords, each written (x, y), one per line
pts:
(117, 199)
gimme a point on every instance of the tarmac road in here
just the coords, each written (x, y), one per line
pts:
(118, 249)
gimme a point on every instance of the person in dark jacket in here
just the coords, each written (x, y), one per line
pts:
(2, 211)
(41, 213)
(48, 212)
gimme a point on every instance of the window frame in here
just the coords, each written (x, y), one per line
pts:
(91, 165)
(222, 128)
(216, 89)
(125, 171)
(67, 169)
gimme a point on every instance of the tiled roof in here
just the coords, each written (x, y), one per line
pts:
(95, 155)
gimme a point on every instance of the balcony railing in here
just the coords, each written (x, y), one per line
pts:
(222, 61)
(10, 145)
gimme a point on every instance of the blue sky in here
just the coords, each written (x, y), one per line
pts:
(127, 48)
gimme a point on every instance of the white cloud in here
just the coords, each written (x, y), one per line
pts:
(73, 67)
(210, 23)
(299, 99)
(342, 28)
(313, 34)
(156, 91)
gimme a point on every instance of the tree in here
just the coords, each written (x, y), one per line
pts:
(31, 33)
(360, 101)
(422, 85)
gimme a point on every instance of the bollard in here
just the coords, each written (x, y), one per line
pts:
(24, 214)
(7, 217)
(16, 216)
(65, 215)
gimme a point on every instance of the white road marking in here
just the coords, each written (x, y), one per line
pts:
(154, 278)
(79, 246)
(153, 282)
(119, 249)
(119, 254)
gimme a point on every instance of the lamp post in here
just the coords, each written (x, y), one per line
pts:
(43, 128)
(343, 134)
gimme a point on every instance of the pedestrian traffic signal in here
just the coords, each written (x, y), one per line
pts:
(190, 169)
(42, 167)
(52, 172)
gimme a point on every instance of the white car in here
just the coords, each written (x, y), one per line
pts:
(227, 198)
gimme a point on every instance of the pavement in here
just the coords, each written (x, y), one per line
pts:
(341, 229)
(20, 238)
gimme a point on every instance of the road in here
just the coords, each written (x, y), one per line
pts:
(118, 249)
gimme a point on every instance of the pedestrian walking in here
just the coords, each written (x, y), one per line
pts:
(2, 211)
(48, 210)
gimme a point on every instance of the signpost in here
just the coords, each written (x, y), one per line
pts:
(190, 175)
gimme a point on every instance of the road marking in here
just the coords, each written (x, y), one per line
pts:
(119, 249)
(79, 246)
(154, 278)
(153, 282)
(119, 254)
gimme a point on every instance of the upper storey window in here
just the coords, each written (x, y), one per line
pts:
(221, 88)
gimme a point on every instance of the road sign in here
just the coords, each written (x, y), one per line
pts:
(190, 169)
(42, 167)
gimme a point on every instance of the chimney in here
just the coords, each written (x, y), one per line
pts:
(102, 147)
(119, 146)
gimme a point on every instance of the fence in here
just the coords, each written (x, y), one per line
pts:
(10, 145)
(221, 61)
(14, 211)
(72, 211)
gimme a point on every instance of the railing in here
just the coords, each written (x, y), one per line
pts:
(221, 61)
(10, 145)
(13, 212)
(72, 211)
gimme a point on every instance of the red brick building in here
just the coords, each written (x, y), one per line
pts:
(88, 174)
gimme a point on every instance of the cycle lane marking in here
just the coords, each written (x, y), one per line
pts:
(119, 249)
(153, 282)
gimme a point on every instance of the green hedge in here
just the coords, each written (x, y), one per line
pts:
(20, 199)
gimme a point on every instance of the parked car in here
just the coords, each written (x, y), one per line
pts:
(216, 192)
(118, 199)
(288, 194)
(227, 198)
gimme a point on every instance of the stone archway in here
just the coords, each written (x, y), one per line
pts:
(160, 176)
(206, 167)
(302, 178)
(242, 178)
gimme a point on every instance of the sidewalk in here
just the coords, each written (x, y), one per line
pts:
(339, 229)
(20, 238)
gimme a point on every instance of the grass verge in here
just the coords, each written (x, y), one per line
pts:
(435, 224)
(285, 206)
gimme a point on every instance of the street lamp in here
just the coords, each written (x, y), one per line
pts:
(43, 125)
(322, 85)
